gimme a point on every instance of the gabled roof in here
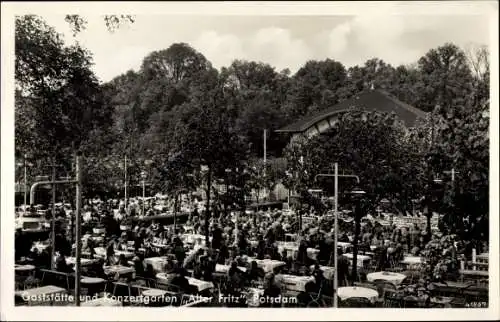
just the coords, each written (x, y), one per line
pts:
(369, 100)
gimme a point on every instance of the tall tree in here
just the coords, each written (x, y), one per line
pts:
(59, 101)
(446, 77)
(316, 87)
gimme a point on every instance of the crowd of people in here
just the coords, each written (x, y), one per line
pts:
(241, 241)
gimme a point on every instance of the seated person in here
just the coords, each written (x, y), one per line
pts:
(198, 269)
(96, 269)
(305, 297)
(271, 290)
(90, 247)
(149, 272)
(235, 276)
(255, 273)
(110, 248)
(138, 266)
(208, 267)
(43, 259)
(62, 265)
(180, 281)
(261, 247)
(180, 253)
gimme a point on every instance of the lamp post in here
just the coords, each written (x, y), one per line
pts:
(335, 175)
(357, 195)
(125, 185)
(25, 164)
(143, 175)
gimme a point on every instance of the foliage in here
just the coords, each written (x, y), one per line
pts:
(177, 114)
(113, 22)
(59, 102)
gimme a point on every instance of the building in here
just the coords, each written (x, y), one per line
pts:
(368, 100)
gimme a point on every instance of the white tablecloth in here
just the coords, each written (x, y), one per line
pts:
(158, 263)
(39, 246)
(412, 260)
(268, 265)
(354, 291)
(154, 292)
(201, 285)
(83, 261)
(101, 251)
(394, 278)
(191, 238)
(92, 280)
(291, 248)
(360, 260)
(24, 268)
(312, 253)
(294, 282)
(117, 269)
(328, 271)
(344, 245)
(219, 268)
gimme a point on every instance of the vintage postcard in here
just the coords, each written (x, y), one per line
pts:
(249, 161)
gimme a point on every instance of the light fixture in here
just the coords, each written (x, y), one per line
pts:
(358, 191)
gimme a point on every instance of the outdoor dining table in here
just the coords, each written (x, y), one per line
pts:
(40, 247)
(118, 270)
(328, 271)
(154, 297)
(24, 268)
(393, 278)
(158, 263)
(191, 238)
(361, 259)
(102, 301)
(199, 284)
(83, 261)
(40, 295)
(101, 251)
(268, 265)
(294, 282)
(219, 268)
(312, 253)
(291, 248)
(354, 291)
(344, 245)
(412, 261)
(93, 284)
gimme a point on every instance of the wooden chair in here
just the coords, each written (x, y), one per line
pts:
(118, 284)
(147, 282)
(57, 278)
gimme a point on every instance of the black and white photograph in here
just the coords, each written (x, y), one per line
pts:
(236, 157)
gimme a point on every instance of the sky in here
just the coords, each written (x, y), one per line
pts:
(282, 41)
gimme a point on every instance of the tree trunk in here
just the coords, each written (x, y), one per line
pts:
(207, 210)
(357, 228)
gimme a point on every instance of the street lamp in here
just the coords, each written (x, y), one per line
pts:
(336, 175)
(357, 194)
(25, 164)
(143, 175)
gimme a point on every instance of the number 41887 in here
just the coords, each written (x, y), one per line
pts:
(477, 305)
